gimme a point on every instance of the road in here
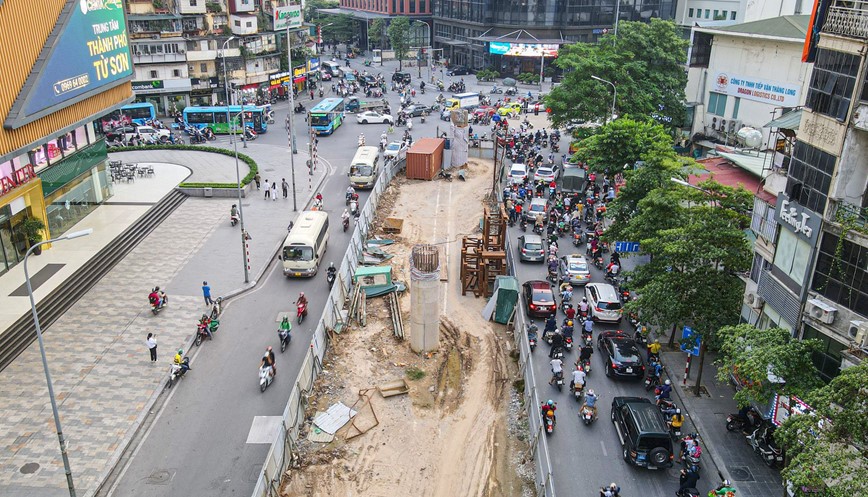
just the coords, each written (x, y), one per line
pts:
(197, 440)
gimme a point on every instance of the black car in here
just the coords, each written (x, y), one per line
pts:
(621, 355)
(643, 433)
(417, 110)
(368, 80)
(539, 299)
(401, 77)
(458, 71)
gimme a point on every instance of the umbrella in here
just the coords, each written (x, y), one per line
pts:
(508, 82)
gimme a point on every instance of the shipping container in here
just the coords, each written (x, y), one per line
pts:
(424, 159)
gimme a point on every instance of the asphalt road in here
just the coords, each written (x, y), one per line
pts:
(197, 443)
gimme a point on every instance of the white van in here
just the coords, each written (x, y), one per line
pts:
(332, 68)
(604, 303)
(365, 167)
(306, 244)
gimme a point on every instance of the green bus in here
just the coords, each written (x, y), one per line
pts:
(327, 116)
(217, 118)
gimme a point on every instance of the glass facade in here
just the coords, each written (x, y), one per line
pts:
(833, 81)
(810, 176)
(844, 280)
(548, 14)
(827, 360)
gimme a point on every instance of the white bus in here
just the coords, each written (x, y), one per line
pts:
(365, 167)
(306, 244)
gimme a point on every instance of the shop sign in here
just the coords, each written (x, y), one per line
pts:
(801, 221)
(298, 71)
(18, 178)
(312, 64)
(144, 86)
(288, 17)
(757, 89)
(523, 49)
(278, 78)
(86, 52)
(786, 406)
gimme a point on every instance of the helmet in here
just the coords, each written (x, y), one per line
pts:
(301, 294)
(569, 323)
(180, 351)
(667, 382)
(726, 483)
(584, 299)
(550, 403)
(578, 368)
(550, 413)
(613, 486)
(591, 392)
(677, 411)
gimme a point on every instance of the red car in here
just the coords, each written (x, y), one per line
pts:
(482, 111)
(539, 298)
(536, 107)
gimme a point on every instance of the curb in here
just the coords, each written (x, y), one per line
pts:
(683, 397)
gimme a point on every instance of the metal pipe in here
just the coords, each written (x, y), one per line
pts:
(614, 96)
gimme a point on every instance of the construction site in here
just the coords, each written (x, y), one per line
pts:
(418, 391)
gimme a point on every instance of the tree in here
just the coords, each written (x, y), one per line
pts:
(621, 143)
(645, 63)
(335, 27)
(761, 357)
(377, 32)
(826, 449)
(399, 37)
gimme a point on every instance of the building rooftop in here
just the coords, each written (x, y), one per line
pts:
(784, 27)
(726, 172)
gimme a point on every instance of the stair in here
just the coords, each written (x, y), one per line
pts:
(22, 333)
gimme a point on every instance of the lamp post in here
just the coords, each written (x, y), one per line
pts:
(614, 95)
(428, 45)
(291, 130)
(617, 18)
(57, 426)
(237, 169)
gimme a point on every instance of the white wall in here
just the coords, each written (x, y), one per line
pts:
(755, 10)
(851, 174)
(747, 57)
(746, 10)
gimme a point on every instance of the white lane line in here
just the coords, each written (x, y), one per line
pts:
(603, 447)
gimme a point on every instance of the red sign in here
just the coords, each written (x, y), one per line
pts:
(18, 178)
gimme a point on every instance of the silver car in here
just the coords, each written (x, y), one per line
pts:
(530, 248)
(574, 269)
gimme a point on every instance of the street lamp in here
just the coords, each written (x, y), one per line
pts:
(63, 454)
(291, 131)
(428, 44)
(614, 95)
(237, 169)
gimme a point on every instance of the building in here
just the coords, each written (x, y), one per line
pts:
(64, 64)
(466, 29)
(366, 11)
(703, 12)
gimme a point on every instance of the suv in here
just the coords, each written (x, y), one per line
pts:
(643, 433)
(401, 77)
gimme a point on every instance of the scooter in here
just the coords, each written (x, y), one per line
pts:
(330, 277)
(216, 309)
(651, 381)
(301, 312)
(155, 308)
(736, 422)
(346, 224)
(586, 366)
(531, 339)
(587, 415)
(233, 220)
(578, 391)
(558, 354)
(201, 335)
(568, 343)
(266, 376)
(285, 337)
(349, 197)
(559, 379)
(178, 370)
(523, 225)
(550, 424)
(354, 208)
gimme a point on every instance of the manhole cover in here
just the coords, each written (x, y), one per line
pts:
(160, 477)
(29, 468)
(740, 473)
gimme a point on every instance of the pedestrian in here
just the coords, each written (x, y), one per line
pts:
(274, 192)
(206, 292)
(267, 191)
(257, 179)
(285, 186)
(152, 346)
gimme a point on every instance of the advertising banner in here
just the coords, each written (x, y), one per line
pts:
(523, 49)
(287, 17)
(758, 89)
(87, 51)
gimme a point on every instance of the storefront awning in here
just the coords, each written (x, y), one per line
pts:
(454, 43)
(790, 120)
(752, 163)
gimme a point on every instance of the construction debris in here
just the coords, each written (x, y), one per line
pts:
(393, 225)
(368, 419)
(392, 388)
(332, 420)
(395, 314)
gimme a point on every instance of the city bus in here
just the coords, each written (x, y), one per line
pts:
(306, 244)
(217, 118)
(138, 113)
(327, 116)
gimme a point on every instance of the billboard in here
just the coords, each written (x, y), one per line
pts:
(86, 52)
(758, 89)
(288, 17)
(523, 49)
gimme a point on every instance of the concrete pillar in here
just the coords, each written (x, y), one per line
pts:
(424, 298)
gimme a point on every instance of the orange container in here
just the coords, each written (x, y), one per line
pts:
(424, 158)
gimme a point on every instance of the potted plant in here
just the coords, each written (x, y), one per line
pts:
(31, 229)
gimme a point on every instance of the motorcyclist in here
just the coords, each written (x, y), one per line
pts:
(612, 270)
(154, 297)
(578, 377)
(553, 264)
(616, 258)
(345, 217)
(585, 353)
(532, 331)
(286, 324)
(687, 479)
(361, 139)
(179, 361)
(551, 325)
(583, 307)
(725, 489)
(612, 490)
(588, 327)
(268, 360)
(350, 192)
(548, 406)
(655, 368)
(570, 313)
(654, 349)
(331, 272)
(591, 401)
(664, 390)
(302, 300)
(233, 212)
(557, 368)
(557, 343)
(566, 291)
(567, 329)
(205, 324)
(677, 420)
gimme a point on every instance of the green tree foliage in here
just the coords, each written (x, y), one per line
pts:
(757, 355)
(827, 450)
(399, 37)
(646, 64)
(335, 27)
(621, 143)
(377, 32)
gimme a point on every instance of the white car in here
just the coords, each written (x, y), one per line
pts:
(517, 173)
(395, 150)
(370, 117)
(546, 173)
(147, 132)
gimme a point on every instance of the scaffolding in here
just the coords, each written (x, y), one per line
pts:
(483, 258)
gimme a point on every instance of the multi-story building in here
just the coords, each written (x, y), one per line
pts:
(60, 73)
(366, 11)
(737, 11)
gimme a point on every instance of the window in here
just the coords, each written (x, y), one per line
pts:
(700, 53)
(810, 176)
(792, 255)
(176, 73)
(707, 13)
(249, 24)
(689, 12)
(844, 280)
(237, 23)
(716, 13)
(758, 265)
(194, 3)
(732, 16)
(827, 360)
(716, 103)
(832, 83)
(153, 74)
(735, 107)
(203, 67)
(725, 15)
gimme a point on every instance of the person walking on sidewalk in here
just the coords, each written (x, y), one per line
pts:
(206, 292)
(267, 190)
(152, 346)
(274, 191)
(285, 186)
(258, 179)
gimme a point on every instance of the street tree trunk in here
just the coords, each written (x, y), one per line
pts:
(672, 336)
(696, 390)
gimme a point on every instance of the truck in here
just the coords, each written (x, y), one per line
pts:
(355, 105)
(462, 100)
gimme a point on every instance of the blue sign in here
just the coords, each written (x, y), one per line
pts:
(625, 247)
(87, 52)
(687, 334)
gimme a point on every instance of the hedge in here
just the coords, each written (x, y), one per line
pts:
(214, 150)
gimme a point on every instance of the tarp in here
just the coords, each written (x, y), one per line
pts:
(573, 179)
(333, 419)
(507, 298)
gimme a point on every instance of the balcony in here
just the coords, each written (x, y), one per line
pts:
(843, 19)
(205, 55)
(158, 58)
(843, 212)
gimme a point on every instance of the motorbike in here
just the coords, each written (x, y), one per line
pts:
(578, 391)
(538, 229)
(587, 415)
(367, 63)
(350, 197)
(555, 148)
(553, 276)
(155, 308)
(233, 220)
(201, 331)
(299, 109)
(196, 137)
(178, 371)
(266, 376)
(346, 224)
(550, 424)
(495, 90)
(763, 444)
(510, 91)
(586, 366)
(559, 379)
(249, 134)
(285, 337)
(568, 343)
(531, 339)
(598, 263)
(690, 458)
(588, 338)
(522, 225)
(201, 335)
(216, 309)
(736, 422)
(689, 492)
(354, 207)
(330, 277)
(209, 134)
(301, 311)
(558, 354)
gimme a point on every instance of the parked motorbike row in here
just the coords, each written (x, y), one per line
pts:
(759, 434)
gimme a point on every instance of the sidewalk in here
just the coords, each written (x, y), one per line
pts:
(104, 380)
(729, 451)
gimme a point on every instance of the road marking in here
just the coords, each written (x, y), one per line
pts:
(603, 447)
(263, 429)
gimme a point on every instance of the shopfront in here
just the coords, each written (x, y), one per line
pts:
(167, 95)
(20, 198)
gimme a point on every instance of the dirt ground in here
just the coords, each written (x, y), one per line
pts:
(461, 429)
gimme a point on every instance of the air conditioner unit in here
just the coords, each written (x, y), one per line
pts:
(821, 311)
(858, 332)
(753, 300)
(722, 125)
(734, 126)
(714, 123)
